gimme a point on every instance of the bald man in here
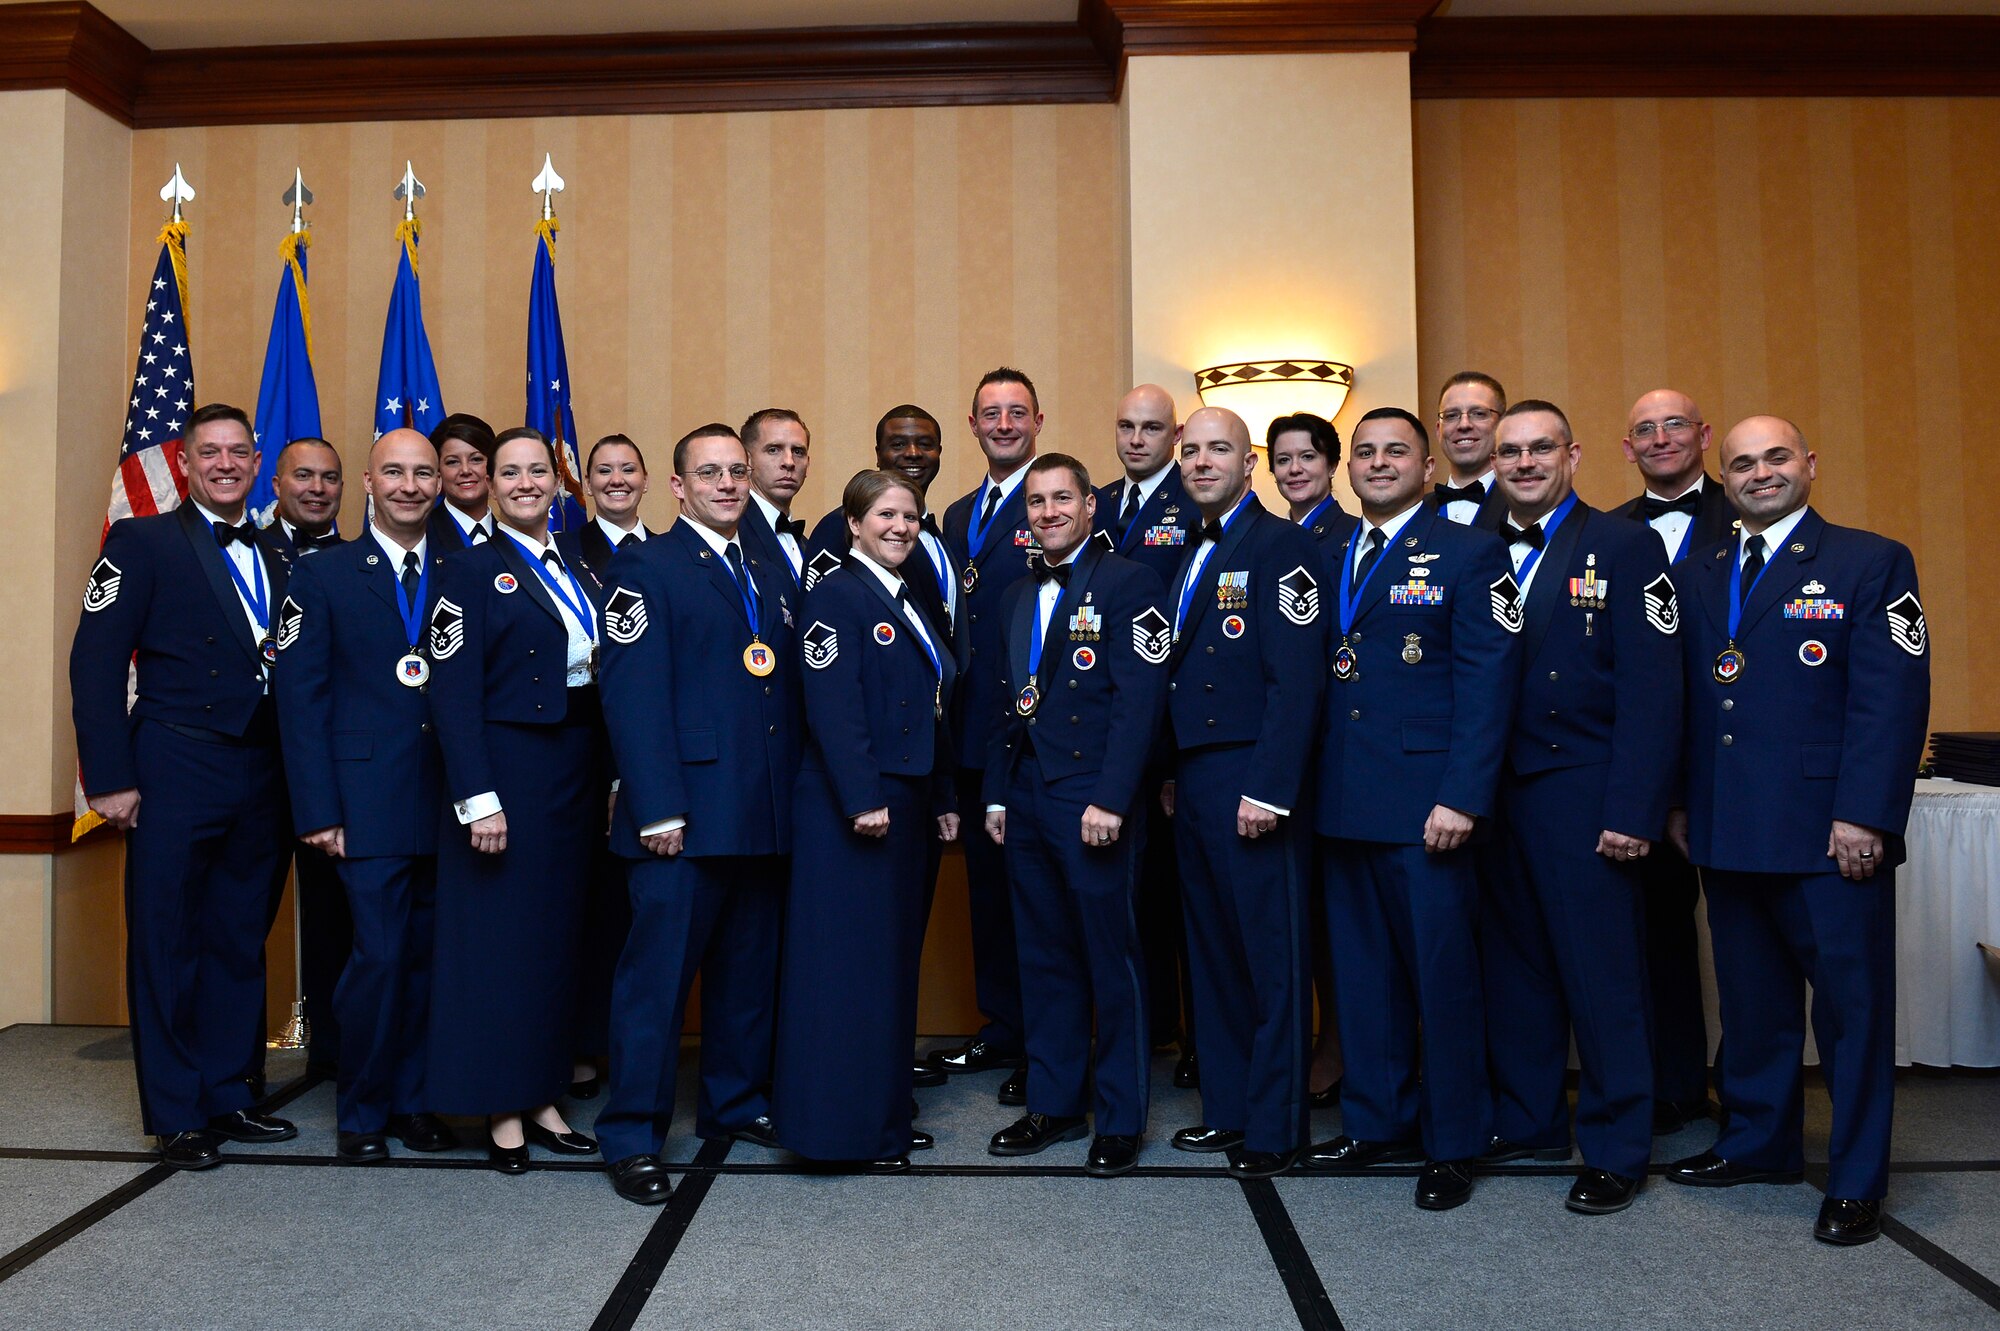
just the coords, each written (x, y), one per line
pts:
(1246, 655)
(1808, 675)
(364, 776)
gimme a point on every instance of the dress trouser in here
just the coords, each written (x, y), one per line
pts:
(996, 965)
(1673, 972)
(1162, 932)
(383, 997)
(326, 937)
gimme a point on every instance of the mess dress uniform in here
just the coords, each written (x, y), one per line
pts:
(1819, 716)
(877, 687)
(1477, 504)
(518, 720)
(360, 754)
(933, 588)
(1246, 671)
(186, 601)
(1087, 712)
(1423, 677)
(1595, 747)
(702, 699)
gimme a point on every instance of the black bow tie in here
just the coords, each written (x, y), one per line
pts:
(1474, 493)
(224, 534)
(1044, 571)
(1650, 507)
(793, 527)
(304, 541)
(1211, 531)
(1515, 536)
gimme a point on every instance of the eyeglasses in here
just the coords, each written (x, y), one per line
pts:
(713, 472)
(1476, 415)
(1646, 430)
(1540, 449)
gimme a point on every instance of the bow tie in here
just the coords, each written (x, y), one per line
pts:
(1044, 571)
(1515, 536)
(1650, 507)
(929, 524)
(1211, 531)
(793, 527)
(306, 542)
(1474, 493)
(224, 534)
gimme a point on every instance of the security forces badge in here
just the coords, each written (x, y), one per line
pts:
(625, 616)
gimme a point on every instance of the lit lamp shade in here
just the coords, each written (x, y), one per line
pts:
(1260, 391)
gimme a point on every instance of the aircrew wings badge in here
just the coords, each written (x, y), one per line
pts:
(625, 616)
(102, 589)
(821, 564)
(1298, 596)
(821, 643)
(1906, 624)
(1663, 611)
(1152, 636)
(1506, 595)
(290, 616)
(447, 629)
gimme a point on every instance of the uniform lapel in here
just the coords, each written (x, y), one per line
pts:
(1006, 518)
(1211, 572)
(896, 616)
(519, 564)
(1715, 519)
(1418, 528)
(1551, 584)
(1067, 604)
(1781, 569)
(213, 566)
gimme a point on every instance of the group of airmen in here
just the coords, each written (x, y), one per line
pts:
(1457, 770)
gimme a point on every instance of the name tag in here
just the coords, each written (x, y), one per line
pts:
(1815, 607)
(1415, 593)
(1166, 536)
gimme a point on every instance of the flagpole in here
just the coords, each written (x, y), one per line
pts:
(548, 184)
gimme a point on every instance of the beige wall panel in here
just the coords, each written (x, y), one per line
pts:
(88, 952)
(27, 988)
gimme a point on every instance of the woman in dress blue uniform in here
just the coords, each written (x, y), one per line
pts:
(513, 646)
(874, 789)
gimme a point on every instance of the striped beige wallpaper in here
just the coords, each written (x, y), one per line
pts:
(835, 262)
(1828, 260)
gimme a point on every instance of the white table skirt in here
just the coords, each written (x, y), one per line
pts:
(1948, 902)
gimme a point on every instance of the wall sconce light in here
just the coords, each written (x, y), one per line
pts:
(1260, 391)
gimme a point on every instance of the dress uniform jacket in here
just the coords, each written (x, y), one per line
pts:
(698, 736)
(1423, 720)
(360, 755)
(1595, 747)
(1713, 520)
(876, 703)
(1087, 742)
(206, 862)
(1246, 676)
(761, 538)
(588, 543)
(444, 532)
(1824, 720)
(930, 587)
(1160, 531)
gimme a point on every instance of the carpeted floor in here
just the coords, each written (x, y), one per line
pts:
(93, 1235)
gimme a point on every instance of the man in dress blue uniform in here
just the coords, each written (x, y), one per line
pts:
(308, 484)
(363, 771)
(1423, 675)
(1063, 785)
(780, 449)
(1809, 681)
(1469, 407)
(465, 453)
(614, 476)
(988, 536)
(1590, 773)
(702, 699)
(1147, 517)
(1667, 439)
(193, 777)
(1247, 669)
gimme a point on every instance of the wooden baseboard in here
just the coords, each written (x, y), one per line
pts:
(42, 833)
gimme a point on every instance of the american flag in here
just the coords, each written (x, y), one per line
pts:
(151, 475)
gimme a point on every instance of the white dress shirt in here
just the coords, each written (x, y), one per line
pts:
(1673, 527)
(617, 534)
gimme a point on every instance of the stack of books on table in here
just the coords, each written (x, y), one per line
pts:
(1967, 756)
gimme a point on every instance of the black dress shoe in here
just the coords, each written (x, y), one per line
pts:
(1709, 1170)
(247, 1125)
(1204, 1140)
(1671, 1117)
(1032, 1133)
(1187, 1073)
(759, 1131)
(1846, 1222)
(1347, 1153)
(1111, 1156)
(422, 1132)
(587, 1088)
(507, 1159)
(972, 1056)
(562, 1143)
(1601, 1192)
(921, 1141)
(191, 1150)
(1499, 1151)
(641, 1179)
(1325, 1099)
(362, 1148)
(895, 1164)
(1261, 1164)
(1444, 1184)
(923, 1074)
(1014, 1090)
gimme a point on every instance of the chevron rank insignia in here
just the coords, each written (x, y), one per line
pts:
(1506, 595)
(447, 633)
(290, 616)
(1663, 611)
(821, 643)
(1906, 624)
(102, 589)
(1298, 596)
(821, 564)
(1152, 636)
(625, 616)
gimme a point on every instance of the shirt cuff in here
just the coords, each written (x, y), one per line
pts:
(479, 806)
(996, 808)
(1282, 813)
(664, 825)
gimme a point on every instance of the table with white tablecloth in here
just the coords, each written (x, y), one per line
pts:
(1947, 903)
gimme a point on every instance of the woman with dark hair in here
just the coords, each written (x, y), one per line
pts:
(874, 790)
(512, 648)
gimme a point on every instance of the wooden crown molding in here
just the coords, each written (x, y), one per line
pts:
(71, 45)
(1123, 28)
(1918, 56)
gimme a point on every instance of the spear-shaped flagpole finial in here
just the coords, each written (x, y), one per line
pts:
(298, 196)
(177, 191)
(548, 184)
(409, 190)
